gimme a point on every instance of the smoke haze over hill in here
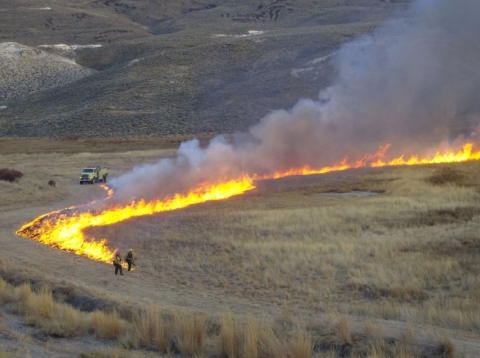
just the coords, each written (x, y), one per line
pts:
(413, 83)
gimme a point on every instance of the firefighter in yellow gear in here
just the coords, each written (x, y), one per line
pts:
(117, 262)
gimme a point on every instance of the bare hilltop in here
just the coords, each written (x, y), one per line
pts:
(136, 69)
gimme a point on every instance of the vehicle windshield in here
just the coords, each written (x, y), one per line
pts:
(88, 170)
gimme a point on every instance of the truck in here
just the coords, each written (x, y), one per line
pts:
(94, 175)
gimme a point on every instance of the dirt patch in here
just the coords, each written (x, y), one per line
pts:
(435, 217)
(464, 249)
(446, 176)
(402, 293)
(350, 194)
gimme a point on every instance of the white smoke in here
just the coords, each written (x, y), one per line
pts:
(413, 83)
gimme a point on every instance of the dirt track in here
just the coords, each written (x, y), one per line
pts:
(134, 286)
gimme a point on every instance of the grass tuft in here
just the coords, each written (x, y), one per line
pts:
(300, 345)
(41, 304)
(189, 331)
(445, 348)
(108, 325)
(342, 330)
(228, 340)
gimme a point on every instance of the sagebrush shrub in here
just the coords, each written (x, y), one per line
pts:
(10, 174)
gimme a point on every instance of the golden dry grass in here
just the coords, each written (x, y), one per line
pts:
(117, 352)
(333, 266)
(65, 169)
(191, 333)
(408, 254)
(108, 325)
(10, 145)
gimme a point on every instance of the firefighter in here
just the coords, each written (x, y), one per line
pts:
(117, 262)
(129, 259)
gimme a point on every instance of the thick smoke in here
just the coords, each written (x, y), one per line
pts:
(413, 83)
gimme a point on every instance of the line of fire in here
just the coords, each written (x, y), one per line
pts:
(64, 229)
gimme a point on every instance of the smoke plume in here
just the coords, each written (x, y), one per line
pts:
(413, 83)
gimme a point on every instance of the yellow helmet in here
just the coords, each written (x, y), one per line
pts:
(130, 250)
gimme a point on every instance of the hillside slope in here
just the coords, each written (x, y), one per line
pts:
(25, 70)
(186, 67)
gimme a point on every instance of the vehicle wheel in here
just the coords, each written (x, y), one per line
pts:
(81, 183)
(104, 178)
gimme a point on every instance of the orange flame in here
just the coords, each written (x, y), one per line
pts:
(64, 230)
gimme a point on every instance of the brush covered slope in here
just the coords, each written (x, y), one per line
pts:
(155, 68)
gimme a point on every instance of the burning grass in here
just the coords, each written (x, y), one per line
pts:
(65, 230)
(397, 249)
(408, 254)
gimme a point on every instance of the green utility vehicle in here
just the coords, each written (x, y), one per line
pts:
(94, 175)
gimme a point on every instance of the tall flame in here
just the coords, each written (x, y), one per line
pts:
(64, 229)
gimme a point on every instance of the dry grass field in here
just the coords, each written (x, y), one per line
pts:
(298, 267)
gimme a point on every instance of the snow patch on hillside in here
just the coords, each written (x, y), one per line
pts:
(68, 48)
(248, 34)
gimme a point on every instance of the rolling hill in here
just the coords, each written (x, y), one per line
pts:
(159, 68)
